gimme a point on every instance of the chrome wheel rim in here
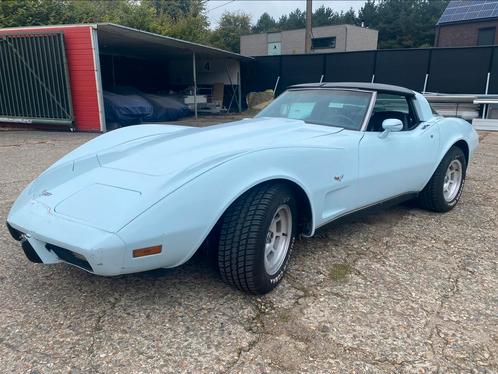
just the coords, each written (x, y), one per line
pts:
(278, 239)
(452, 180)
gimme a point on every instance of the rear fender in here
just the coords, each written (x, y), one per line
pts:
(453, 130)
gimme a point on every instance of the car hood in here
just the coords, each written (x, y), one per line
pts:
(110, 187)
(169, 154)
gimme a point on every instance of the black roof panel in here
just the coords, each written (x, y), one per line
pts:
(387, 88)
(469, 10)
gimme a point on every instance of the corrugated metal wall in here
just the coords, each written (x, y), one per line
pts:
(81, 66)
(34, 83)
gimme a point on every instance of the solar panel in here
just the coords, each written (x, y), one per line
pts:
(467, 10)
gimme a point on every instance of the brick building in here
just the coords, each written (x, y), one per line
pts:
(467, 23)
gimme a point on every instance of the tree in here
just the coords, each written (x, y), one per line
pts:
(231, 26)
(122, 12)
(368, 14)
(184, 19)
(403, 23)
(191, 28)
(348, 17)
(176, 9)
(265, 23)
(323, 17)
(30, 12)
(295, 20)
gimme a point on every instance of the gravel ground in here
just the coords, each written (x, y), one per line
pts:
(402, 290)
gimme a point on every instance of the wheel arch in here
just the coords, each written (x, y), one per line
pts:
(304, 207)
(457, 142)
(456, 132)
(463, 145)
(303, 201)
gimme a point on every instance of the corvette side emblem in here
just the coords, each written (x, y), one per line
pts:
(45, 193)
(338, 178)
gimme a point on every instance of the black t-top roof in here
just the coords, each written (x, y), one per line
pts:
(386, 88)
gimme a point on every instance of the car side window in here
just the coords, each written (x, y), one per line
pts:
(392, 106)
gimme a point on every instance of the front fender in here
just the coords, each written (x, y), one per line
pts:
(182, 220)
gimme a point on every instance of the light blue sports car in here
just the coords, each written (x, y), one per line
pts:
(147, 197)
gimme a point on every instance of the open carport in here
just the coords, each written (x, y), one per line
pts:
(59, 76)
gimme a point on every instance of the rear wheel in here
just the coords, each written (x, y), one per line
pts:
(256, 238)
(444, 189)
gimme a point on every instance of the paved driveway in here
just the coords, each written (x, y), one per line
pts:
(399, 291)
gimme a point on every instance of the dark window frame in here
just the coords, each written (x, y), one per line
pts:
(486, 29)
(412, 113)
(331, 45)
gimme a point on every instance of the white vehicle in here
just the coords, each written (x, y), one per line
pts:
(147, 197)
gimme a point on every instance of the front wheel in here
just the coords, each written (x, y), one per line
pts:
(256, 238)
(444, 189)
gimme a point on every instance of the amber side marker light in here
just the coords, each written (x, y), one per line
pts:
(147, 251)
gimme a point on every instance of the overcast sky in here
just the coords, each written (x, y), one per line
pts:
(276, 8)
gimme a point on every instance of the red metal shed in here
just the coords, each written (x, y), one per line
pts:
(80, 52)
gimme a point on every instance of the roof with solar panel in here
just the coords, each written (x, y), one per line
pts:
(469, 10)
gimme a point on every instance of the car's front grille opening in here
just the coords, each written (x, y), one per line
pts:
(70, 256)
(16, 234)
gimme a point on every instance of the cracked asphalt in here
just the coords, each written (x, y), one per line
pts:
(401, 290)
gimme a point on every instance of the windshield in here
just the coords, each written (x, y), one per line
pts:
(338, 108)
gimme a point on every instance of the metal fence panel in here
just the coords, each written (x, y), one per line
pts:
(459, 70)
(300, 69)
(34, 82)
(262, 73)
(493, 81)
(450, 70)
(349, 67)
(405, 68)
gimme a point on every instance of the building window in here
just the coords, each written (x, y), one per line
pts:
(486, 36)
(274, 48)
(323, 43)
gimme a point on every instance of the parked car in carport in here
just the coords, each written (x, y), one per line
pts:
(146, 197)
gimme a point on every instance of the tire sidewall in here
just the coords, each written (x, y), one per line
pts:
(454, 154)
(265, 282)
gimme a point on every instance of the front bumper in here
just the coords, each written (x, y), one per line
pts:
(52, 239)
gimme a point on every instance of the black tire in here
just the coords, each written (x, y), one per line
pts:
(243, 236)
(432, 196)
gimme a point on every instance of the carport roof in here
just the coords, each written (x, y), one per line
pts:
(123, 40)
(127, 41)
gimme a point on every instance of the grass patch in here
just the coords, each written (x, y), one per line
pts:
(285, 316)
(338, 272)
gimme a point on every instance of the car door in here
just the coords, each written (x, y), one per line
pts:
(401, 162)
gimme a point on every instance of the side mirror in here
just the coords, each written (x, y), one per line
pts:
(391, 125)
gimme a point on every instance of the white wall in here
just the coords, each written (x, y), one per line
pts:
(209, 71)
(361, 38)
(254, 45)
